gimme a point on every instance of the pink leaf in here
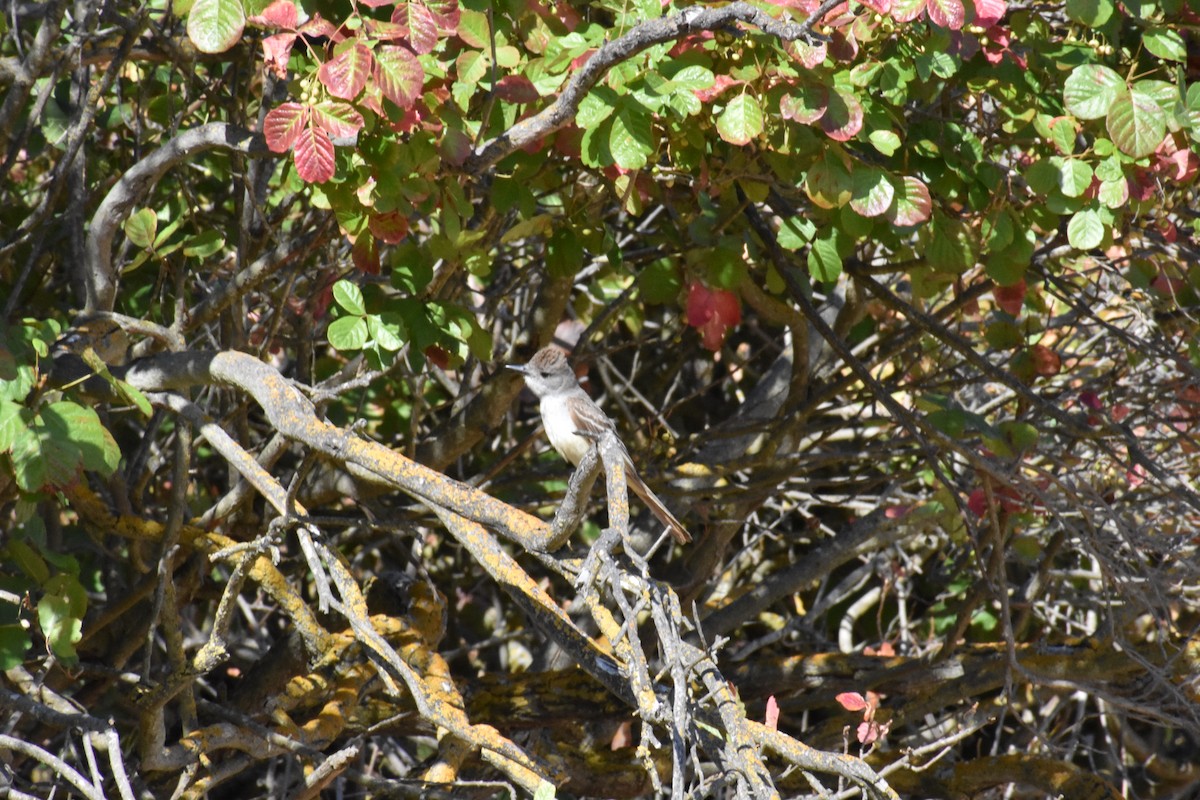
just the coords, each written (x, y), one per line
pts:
(314, 155)
(337, 119)
(843, 118)
(771, 720)
(345, 74)
(989, 12)
(907, 10)
(399, 75)
(516, 89)
(283, 125)
(446, 13)
(722, 83)
(851, 701)
(912, 204)
(805, 104)
(280, 14)
(809, 55)
(946, 13)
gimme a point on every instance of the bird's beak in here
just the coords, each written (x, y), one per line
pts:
(521, 368)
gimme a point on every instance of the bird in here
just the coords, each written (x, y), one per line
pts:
(574, 422)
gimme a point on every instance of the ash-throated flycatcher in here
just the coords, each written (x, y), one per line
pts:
(567, 410)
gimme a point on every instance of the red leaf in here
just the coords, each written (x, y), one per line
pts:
(419, 24)
(713, 313)
(337, 119)
(389, 228)
(365, 255)
(1010, 298)
(319, 27)
(851, 701)
(989, 12)
(977, 502)
(345, 74)
(1046, 362)
(314, 155)
(283, 125)
(280, 14)
(277, 48)
(516, 89)
(399, 75)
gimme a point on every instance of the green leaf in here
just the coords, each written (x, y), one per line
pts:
(14, 420)
(1075, 177)
(82, 426)
(1091, 90)
(596, 106)
(28, 561)
(660, 282)
(824, 261)
(886, 142)
(564, 253)
(203, 244)
(741, 121)
(386, 330)
(951, 247)
(1092, 13)
(795, 232)
(828, 183)
(1165, 43)
(141, 227)
(214, 26)
(60, 615)
(1137, 124)
(1085, 231)
(14, 644)
(872, 192)
(347, 295)
(348, 333)
(631, 139)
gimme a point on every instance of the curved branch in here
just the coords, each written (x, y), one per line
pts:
(641, 37)
(98, 275)
(292, 415)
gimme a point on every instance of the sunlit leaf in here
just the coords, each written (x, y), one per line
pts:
(214, 26)
(346, 74)
(741, 121)
(399, 75)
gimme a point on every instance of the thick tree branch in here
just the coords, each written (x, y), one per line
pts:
(99, 277)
